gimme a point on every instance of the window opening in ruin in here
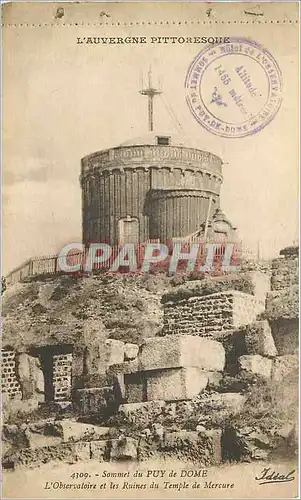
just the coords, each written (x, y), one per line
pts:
(163, 141)
(57, 367)
(10, 382)
(128, 230)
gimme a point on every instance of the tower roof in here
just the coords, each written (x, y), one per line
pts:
(151, 139)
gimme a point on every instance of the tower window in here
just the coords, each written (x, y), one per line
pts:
(163, 141)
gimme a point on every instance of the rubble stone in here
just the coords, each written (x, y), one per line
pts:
(179, 351)
(257, 365)
(259, 339)
(68, 452)
(204, 446)
(41, 441)
(176, 384)
(12, 408)
(219, 407)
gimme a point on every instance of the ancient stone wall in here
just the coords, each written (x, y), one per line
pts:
(62, 365)
(285, 273)
(10, 383)
(211, 314)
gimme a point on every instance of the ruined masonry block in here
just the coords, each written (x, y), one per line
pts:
(98, 358)
(135, 387)
(205, 445)
(124, 448)
(91, 401)
(231, 403)
(259, 339)
(180, 351)
(70, 430)
(115, 351)
(176, 384)
(211, 314)
(284, 366)
(140, 413)
(261, 284)
(130, 351)
(286, 335)
(283, 304)
(99, 450)
(71, 452)
(124, 368)
(285, 273)
(257, 365)
(116, 375)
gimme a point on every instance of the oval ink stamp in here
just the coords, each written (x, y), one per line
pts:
(234, 89)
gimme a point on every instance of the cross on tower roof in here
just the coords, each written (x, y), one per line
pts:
(150, 92)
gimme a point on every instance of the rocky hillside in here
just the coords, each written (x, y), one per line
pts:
(62, 308)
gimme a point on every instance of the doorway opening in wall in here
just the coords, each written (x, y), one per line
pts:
(56, 364)
(128, 229)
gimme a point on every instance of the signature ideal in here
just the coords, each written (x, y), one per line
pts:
(269, 475)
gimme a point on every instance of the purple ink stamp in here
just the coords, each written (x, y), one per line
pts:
(234, 89)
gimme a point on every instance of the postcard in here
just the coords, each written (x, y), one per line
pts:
(150, 278)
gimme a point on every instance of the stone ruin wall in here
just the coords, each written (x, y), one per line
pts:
(217, 312)
(10, 383)
(140, 385)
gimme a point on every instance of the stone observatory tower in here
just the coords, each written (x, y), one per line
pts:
(154, 187)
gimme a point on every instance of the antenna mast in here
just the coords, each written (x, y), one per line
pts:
(150, 92)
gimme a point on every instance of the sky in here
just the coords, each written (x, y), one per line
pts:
(63, 101)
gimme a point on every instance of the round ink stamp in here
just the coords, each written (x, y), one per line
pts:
(234, 89)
